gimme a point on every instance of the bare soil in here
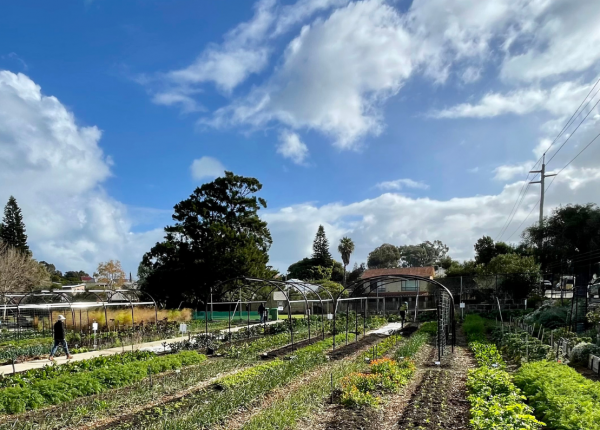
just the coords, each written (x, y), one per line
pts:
(434, 399)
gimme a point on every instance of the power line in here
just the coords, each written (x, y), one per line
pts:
(525, 186)
(574, 158)
(572, 117)
(528, 215)
(577, 128)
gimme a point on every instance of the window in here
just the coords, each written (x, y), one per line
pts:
(380, 287)
(410, 285)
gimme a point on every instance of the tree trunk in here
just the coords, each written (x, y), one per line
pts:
(344, 276)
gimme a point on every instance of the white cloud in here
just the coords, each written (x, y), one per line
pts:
(560, 37)
(55, 169)
(562, 99)
(290, 146)
(471, 74)
(401, 220)
(334, 75)
(206, 167)
(400, 184)
(510, 172)
(337, 73)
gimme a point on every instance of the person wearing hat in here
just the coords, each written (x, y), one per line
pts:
(59, 338)
(403, 310)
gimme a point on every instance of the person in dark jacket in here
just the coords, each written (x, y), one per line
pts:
(403, 309)
(261, 312)
(59, 338)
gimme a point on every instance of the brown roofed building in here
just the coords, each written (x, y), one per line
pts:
(426, 272)
(402, 290)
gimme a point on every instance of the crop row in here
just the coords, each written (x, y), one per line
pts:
(286, 412)
(209, 406)
(496, 403)
(67, 387)
(52, 371)
(563, 398)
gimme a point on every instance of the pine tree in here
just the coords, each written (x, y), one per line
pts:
(13, 228)
(321, 252)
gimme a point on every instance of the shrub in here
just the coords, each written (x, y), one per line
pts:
(429, 327)
(581, 352)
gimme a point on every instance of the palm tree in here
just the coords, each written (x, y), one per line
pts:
(346, 247)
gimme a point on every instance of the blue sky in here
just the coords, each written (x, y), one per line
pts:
(388, 121)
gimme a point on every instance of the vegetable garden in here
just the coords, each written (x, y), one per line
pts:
(295, 373)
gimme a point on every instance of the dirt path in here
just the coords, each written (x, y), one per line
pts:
(434, 399)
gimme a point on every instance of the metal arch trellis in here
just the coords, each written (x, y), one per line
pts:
(444, 298)
(283, 287)
(50, 301)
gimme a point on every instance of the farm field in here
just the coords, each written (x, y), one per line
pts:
(370, 381)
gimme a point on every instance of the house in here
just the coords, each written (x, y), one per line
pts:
(395, 292)
(74, 289)
(87, 279)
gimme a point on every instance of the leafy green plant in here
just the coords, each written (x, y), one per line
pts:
(496, 403)
(66, 387)
(561, 396)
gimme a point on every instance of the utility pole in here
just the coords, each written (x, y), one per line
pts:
(542, 182)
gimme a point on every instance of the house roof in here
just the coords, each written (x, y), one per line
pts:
(87, 278)
(426, 272)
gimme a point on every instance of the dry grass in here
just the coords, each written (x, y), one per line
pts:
(115, 317)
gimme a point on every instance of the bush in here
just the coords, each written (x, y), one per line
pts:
(429, 327)
(581, 352)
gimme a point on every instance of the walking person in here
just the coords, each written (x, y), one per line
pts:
(261, 312)
(403, 310)
(59, 338)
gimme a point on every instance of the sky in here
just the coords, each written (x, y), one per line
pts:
(385, 121)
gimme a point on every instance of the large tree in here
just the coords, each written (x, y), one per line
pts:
(321, 253)
(486, 249)
(514, 274)
(570, 235)
(424, 254)
(346, 248)
(385, 256)
(217, 236)
(12, 232)
(19, 272)
(111, 273)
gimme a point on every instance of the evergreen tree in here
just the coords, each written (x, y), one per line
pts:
(13, 229)
(321, 252)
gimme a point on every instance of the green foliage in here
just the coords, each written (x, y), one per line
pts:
(321, 252)
(346, 248)
(581, 352)
(12, 228)
(356, 273)
(549, 316)
(429, 327)
(474, 327)
(496, 403)
(486, 250)
(385, 375)
(521, 346)
(66, 387)
(466, 268)
(384, 257)
(570, 230)
(562, 397)
(48, 372)
(217, 233)
(424, 254)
